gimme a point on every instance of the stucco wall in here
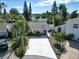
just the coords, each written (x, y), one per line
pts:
(71, 30)
(62, 28)
(68, 27)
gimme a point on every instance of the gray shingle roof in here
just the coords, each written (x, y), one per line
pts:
(38, 26)
(2, 27)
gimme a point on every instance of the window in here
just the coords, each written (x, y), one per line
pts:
(75, 25)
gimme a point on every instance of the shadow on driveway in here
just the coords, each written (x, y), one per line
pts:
(74, 44)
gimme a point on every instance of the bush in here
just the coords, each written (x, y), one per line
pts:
(59, 36)
(62, 36)
(34, 33)
(59, 47)
(70, 37)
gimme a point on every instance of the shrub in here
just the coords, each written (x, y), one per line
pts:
(59, 47)
(59, 36)
(37, 33)
(62, 36)
(70, 37)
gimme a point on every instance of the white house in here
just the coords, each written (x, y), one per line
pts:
(40, 26)
(70, 27)
(60, 28)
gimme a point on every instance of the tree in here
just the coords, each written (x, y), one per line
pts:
(2, 5)
(54, 8)
(73, 14)
(20, 52)
(37, 17)
(20, 39)
(44, 15)
(47, 14)
(63, 12)
(30, 11)
(25, 11)
(58, 20)
(54, 11)
(49, 17)
(14, 11)
(4, 11)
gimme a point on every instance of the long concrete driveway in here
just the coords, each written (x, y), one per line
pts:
(40, 47)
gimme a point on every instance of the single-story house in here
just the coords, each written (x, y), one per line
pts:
(70, 27)
(3, 37)
(40, 26)
(37, 17)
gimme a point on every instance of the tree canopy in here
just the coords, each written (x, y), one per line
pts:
(5, 11)
(58, 15)
(20, 39)
(54, 8)
(25, 11)
(14, 11)
(73, 14)
(2, 5)
(30, 11)
(63, 12)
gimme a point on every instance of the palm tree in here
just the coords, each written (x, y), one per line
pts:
(2, 5)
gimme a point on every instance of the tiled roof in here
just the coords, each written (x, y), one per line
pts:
(2, 27)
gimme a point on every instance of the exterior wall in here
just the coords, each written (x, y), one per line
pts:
(68, 28)
(71, 30)
(40, 19)
(62, 28)
(51, 27)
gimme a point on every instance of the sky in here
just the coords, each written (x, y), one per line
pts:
(41, 6)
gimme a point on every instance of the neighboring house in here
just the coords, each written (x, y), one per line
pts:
(70, 27)
(40, 26)
(39, 18)
(3, 37)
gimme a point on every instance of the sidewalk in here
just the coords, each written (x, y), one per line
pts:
(71, 52)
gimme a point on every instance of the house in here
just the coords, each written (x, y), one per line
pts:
(60, 28)
(37, 17)
(3, 38)
(40, 26)
(70, 27)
